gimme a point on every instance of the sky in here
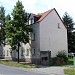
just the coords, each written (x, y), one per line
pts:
(39, 6)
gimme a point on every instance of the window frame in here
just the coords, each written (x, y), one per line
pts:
(33, 51)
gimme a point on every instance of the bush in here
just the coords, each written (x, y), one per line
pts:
(62, 56)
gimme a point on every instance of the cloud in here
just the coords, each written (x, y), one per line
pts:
(64, 6)
(37, 6)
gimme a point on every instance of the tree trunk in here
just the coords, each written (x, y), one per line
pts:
(18, 53)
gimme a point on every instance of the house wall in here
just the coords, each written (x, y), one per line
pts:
(52, 38)
(1, 51)
(25, 56)
(7, 53)
(35, 44)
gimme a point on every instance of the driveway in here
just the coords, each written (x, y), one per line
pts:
(7, 70)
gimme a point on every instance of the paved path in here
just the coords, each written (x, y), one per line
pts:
(48, 70)
(6, 70)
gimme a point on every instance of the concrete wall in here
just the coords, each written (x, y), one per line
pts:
(52, 38)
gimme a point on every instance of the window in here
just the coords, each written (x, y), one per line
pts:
(33, 51)
(33, 36)
(7, 52)
(31, 21)
(22, 51)
(27, 52)
(3, 53)
(59, 25)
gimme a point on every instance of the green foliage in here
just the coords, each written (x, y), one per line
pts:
(68, 21)
(69, 71)
(62, 54)
(2, 13)
(2, 24)
(17, 30)
(7, 18)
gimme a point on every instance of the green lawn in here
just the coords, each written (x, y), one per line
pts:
(15, 64)
(69, 71)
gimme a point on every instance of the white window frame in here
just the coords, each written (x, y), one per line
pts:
(31, 21)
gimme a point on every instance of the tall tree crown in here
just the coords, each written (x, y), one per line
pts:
(17, 29)
(2, 13)
(68, 21)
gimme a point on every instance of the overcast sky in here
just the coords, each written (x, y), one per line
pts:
(39, 6)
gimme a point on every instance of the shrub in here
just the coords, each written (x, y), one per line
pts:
(62, 56)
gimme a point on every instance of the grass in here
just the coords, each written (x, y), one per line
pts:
(68, 63)
(70, 71)
(71, 68)
(15, 64)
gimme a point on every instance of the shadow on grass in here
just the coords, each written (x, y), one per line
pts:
(15, 64)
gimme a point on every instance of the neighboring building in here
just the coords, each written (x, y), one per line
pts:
(48, 37)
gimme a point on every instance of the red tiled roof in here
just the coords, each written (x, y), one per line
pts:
(43, 15)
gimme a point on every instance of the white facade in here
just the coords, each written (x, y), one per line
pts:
(52, 37)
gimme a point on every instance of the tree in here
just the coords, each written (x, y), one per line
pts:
(2, 24)
(7, 18)
(68, 21)
(17, 30)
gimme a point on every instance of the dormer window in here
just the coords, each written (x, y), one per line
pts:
(31, 21)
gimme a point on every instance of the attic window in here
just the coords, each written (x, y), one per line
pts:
(31, 21)
(59, 25)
